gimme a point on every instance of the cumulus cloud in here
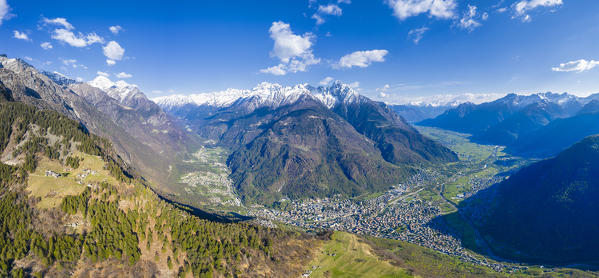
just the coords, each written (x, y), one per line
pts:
(578, 65)
(362, 58)
(110, 62)
(114, 52)
(46, 45)
(417, 34)
(326, 81)
(522, 8)
(403, 9)
(288, 44)
(101, 73)
(326, 10)
(115, 29)
(123, 75)
(4, 9)
(468, 20)
(76, 40)
(20, 36)
(294, 51)
(59, 21)
(330, 9)
(65, 33)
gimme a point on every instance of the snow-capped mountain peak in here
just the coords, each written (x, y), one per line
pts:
(264, 94)
(101, 82)
(120, 90)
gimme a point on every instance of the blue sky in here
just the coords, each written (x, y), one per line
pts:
(391, 48)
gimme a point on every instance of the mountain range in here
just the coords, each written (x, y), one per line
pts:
(307, 141)
(296, 142)
(523, 122)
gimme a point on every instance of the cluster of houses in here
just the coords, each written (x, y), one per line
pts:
(392, 215)
(50, 173)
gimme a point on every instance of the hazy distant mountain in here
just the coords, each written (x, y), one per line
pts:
(303, 141)
(546, 212)
(505, 120)
(559, 134)
(417, 113)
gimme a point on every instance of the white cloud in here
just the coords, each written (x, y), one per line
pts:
(578, 65)
(94, 38)
(113, 51)
(59, 21)
(521, 8)
(28, 58)
(65, 33)
(46, 45)
(319, 19)
(275, 70)
(79, 40)
(294, 51)
(110, 62)
(4, 9)
(288, 44)
(383, 91)
(70, 62)
(362, 58)
(485, 16)
(79, 79)
(115, 29)
(325, 81)
(355, 85)
(502, 10)
(403, 9)
(416, 34)
(20, 35)
(468, 20)
(123, 75)
(330, 9)
(101, 73)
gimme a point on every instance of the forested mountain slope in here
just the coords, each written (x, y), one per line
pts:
(547, 212)
(68, 207)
